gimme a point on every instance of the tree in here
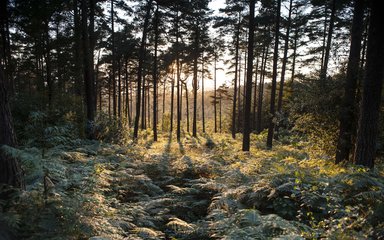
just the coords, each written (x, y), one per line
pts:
(10, 170)
(284, 63)
(155, 74)
(232, 23)
(274, 76)
(248, 87)
(140, 68)
(324, 67)
(347, 113)
(365, 150)
(87, 33)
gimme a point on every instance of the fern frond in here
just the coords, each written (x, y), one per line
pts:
(180, 226)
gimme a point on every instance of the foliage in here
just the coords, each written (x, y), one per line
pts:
(190, 190)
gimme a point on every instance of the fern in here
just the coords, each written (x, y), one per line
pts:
(180, 226)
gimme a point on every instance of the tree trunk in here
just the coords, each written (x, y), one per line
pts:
(172, 102)
(283, 68)
(88, 68)
(365, 151)
(140, 68)
(202, 93)
(178, 80)
(156, 27)
(119, 87)
(255, 95)
(214, 94)
(248, 87)
(347, 113)
(233, 130)
(296, 37)
(10, 170)
(194, 85)
(324, 69)
(261, 89)
(274, 76)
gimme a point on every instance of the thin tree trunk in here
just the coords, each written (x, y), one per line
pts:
(172, 101)
(248, 87)
(202, 93)
(294, 55)
(323, 74)
(187, 105)
(155, 80)
(254, 114)
(283, 68)
(119, 88)
(178, 80)
(140, 68)
(194, 85)
(88, 68)
(233, 130)
(214, 93)
(274, 76)
(261, 89)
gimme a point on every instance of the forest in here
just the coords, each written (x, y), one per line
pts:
(191, 119)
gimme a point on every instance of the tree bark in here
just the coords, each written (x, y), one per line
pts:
(155, 75)
(140, 68)
(347, 113)
(248, 87)
(237, 45)
(274, 76)
(365, 151)
(194, 85)
(88, 68)
(10, 170)
(324, 69)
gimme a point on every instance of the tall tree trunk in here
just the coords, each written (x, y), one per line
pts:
(283, 68)
(347, 113)
(163, 109)
(143, 104)
(113, 59)
(194, 85)
(274, 76)
(140, 67)
(119, 87)
(202, 93)
(187, 104)
(48, 67)
(88, 68)
(296, 37)
(261, 89)
(324, 69)
(239, 109)
(254, 113)
(214, 93)
(248, 87)
(10, 170)
(365, 151)
(172, 102)
(156, 27)
(5, 55)
(178, 80)
(127, 97)
(233, 128)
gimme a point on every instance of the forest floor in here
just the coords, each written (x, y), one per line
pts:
(203, 188)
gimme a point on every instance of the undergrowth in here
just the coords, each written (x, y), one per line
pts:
(200, 188)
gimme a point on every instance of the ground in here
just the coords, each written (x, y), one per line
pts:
(203, 188)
